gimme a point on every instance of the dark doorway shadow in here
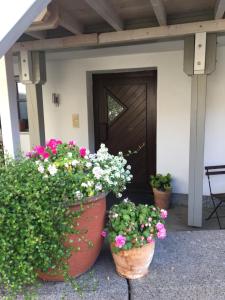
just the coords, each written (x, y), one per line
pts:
(137, 196)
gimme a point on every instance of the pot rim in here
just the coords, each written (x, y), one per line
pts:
(134, 248)
(90, 199)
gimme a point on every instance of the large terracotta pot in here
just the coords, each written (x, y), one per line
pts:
(134, 263)
(91, 224)
(162, 199)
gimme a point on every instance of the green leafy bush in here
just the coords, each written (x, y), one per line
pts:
(161, 182)
(132, 226)
(33, 224)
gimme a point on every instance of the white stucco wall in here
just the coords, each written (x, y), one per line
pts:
(215, 120)
(67, 75)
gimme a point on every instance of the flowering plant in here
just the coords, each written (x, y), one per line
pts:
(132, 226)
(85, 174)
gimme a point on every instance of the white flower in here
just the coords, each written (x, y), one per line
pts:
(117, 175)
(83, 184)
(41, 169)
(98, 172)
(69, 154)
(90, 183)
(115, 215)
(37, 162)
(119, 195)
(66, 165)
(125, 200)
(74, 162)
(52, 170)
(128, 167)
(79, 195)
(88, 164)
(98, 186)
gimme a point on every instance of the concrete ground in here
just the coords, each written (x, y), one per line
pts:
(178, 216)
(188, 264)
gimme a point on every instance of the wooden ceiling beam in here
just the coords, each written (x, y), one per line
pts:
(69, 22)
(160, 11)
(39, 35)
(70, 42)
(55, 16)
(49, 21)
(104, 9)
(219, 9)
(124, 37)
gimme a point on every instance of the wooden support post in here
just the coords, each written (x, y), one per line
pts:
(196, 158)
(35, 114)
(8, 107)
(199, 61)
(37, 67)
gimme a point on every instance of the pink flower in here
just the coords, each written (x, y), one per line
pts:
(54, 150)
(142, 226)
(104, 234)
(82, 152)
(29, 154)
(163, 213)
(45, 155)
(72, 143)
(161, 234)
(150, 239)
(120, 241)
(160, 226)
(53, 143)
(39, 149)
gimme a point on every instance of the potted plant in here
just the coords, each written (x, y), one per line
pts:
(132, 231)
(52, 211)
(161, 186)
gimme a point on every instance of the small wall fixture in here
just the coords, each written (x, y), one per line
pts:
(56, 99)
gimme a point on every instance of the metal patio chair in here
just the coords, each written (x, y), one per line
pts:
(217, 199)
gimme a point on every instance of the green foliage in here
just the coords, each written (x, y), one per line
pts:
(161, 182)
(35, 194)
(34, 222)
(137, 224)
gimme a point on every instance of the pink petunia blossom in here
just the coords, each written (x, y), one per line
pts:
(82, 151)
(53, 143)
(54, 150)
(150, 239)
(104, 234)
(120, 241)
(39, 149)
(160, 226)
(142, 226)
(45, 155)
(161, 234)
(163, 213)
(72, 143)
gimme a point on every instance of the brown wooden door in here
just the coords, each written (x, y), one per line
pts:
(125, 119)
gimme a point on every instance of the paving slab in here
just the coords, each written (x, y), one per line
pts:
(186, 265)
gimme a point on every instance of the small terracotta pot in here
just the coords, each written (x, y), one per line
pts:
(91, 224)
(134, 263)
(162, 199)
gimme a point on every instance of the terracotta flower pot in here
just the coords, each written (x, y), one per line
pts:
(91, 224)
(134, 263)
(162, 199)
